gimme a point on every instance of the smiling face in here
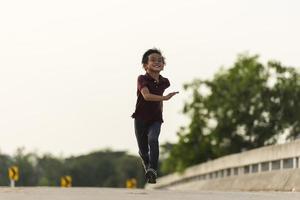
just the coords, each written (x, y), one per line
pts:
(155, 63)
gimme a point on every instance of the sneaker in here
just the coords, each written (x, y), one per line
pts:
(151, 176)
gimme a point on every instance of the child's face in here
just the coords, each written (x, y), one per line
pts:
(155, 63)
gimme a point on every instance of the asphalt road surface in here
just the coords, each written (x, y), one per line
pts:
(52, 193)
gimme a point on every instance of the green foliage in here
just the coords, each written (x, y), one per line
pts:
(49, 170)
(247, 106)
(97, 169)
(28, 163)
(104, 169)
(5, 163)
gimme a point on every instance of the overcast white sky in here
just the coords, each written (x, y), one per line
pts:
(68, 68)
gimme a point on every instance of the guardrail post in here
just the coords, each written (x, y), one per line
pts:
(259, 167)
(294, 163)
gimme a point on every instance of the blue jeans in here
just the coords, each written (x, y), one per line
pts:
(147, 138)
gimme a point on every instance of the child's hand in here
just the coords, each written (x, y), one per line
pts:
(170, 95)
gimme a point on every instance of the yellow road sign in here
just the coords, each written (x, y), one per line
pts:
(66, 181)
(13, 173)
(131, 183)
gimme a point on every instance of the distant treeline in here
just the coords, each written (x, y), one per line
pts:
(97, 169)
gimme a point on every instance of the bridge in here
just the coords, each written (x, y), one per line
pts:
(268, 173)
(52, 193)
(270, 168)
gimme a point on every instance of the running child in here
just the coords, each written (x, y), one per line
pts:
(148, 111)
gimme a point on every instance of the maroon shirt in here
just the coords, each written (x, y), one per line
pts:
(150, 111)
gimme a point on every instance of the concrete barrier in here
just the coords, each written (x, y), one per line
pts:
(273, 167)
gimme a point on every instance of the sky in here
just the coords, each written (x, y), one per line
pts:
(68, 68)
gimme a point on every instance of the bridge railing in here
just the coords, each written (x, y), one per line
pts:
(261, 160)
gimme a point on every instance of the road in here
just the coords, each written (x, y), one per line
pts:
(52, 193)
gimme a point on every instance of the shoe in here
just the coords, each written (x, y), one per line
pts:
(151, 176)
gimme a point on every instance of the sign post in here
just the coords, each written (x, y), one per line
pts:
(13, 173)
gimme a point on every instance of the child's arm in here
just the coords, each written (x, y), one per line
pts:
(153, 97)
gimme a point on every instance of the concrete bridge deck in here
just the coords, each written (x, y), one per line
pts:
(52, 193)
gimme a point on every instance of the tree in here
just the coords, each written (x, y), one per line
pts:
(247, 106)
(96, 169)
(104, 169)
(5, 163)
(26, 163)
(50, 170)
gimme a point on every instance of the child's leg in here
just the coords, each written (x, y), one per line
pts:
(153, 134)
(141, 133)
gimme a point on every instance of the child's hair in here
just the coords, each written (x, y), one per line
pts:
(149, 52)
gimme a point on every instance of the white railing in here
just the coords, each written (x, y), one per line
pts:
(265, 159)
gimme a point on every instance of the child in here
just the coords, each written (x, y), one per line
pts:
(148, 110)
